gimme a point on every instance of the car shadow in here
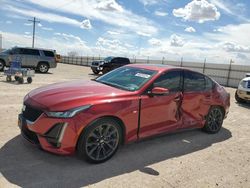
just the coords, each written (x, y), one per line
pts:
(244, 105)
(26, 166)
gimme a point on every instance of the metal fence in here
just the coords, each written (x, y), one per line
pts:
(226, 74)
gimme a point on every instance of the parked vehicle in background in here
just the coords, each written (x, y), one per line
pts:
(108, 64)
(58, 58)
(40, 59)
(242, 94)
(125, 105)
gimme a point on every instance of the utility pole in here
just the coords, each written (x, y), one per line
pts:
(34, 29)
(1, 42)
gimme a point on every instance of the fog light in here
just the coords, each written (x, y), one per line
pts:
(55, 134)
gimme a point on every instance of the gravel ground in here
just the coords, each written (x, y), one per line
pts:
(187, 159)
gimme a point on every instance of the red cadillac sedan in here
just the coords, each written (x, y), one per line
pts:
(130, 103)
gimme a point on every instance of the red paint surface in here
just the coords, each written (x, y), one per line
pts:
(158, 114)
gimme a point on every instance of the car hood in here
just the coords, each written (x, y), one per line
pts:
(68, 95)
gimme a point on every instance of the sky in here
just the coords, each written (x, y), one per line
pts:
(195, 30)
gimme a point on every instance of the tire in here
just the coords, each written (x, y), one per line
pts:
(16, 78)
(8, 78)
(214, 120)
(20, 80)
(43, 67)
(105, 70)
(99, 141)
(2, 65)
(29, 80)
(95, 71)
(238, 99)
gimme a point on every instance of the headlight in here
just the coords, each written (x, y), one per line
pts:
(243, 84)
(69, 113)
(101, 63)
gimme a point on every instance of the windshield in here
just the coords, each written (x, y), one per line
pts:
(127, 78)
(6, 51)
(108, 58)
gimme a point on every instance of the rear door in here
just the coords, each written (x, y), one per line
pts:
(32, 57)
(161, 113)
(197, 96)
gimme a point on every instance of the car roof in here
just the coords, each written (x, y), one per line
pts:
(36, 48)
(156, 67)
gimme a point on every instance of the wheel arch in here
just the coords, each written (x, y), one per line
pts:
(40, 62)
(117, 119)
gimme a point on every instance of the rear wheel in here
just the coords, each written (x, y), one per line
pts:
(100, 141)
(238, 99)
(214, 120)
(43, 67)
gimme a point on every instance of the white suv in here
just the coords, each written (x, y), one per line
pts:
(242, 94)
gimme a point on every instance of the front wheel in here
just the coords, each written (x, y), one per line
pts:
(238, 99)
(100, 141)
(95, 71)
(43, 67)
(214, 120)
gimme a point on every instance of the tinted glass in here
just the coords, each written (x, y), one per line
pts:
(170, 80)
(48, 53)
(29, 51)
(209, 84)
(108, 58)
(127, 78)
(194, 81)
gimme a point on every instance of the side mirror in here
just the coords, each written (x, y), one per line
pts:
(159, 91)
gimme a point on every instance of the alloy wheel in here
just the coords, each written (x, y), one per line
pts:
(102, 142)
(215, 119)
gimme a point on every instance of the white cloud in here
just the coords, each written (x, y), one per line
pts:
(113, 32)
(176, 41)
(47, 28)
(86, 24)
(109, 5)
(39, 25)
(28, 24)
(143, 34)
(93, 10)
(154, 42)
(70, 37)
(198, 11)
(150, 2)
(190, 29)
(27, 33)
(233, 47)
(160, 13)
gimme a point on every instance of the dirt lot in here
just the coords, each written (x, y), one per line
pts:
(186, 159)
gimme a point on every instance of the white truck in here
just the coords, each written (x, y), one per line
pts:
(242, 94)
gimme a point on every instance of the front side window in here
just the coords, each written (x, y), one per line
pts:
(170, 80)
(127, 78)
(194, 81)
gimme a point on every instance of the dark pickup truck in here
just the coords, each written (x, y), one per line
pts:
(108, 64)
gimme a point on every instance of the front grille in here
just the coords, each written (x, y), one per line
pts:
(29, 135)
(95, 63)
(31, 113)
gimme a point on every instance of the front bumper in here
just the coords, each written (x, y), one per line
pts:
(51, 134)
(95, 67)
(245, 95)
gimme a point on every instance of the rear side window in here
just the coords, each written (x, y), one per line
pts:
(29, 51)
(194, 81)
(49, 53)
(170, 80)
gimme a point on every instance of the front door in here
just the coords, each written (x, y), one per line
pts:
(160, 113)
